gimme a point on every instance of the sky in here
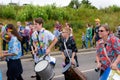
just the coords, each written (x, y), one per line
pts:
(96, 3)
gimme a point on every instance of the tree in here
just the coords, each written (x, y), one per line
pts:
(74, 4)
(86, 4)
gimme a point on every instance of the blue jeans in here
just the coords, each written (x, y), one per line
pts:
(89, 39)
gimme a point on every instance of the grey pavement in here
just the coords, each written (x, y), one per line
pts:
(58, 52)
(86, 62)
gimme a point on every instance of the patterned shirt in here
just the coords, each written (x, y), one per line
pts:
(42, 39)
(14, 47)
(112, 47)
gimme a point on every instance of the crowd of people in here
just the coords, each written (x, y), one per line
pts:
(91, 35)
(36, 39)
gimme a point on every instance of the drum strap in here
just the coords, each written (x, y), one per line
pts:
(67, 51)
(38, 39)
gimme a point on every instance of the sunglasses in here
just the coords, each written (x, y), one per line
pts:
(101, 30)
(64, 32)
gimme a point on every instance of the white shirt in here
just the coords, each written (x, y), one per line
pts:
(44, 37)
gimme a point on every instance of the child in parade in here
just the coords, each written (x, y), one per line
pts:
(14, 54)
(71, 47)
(41, 38)
(83, 41)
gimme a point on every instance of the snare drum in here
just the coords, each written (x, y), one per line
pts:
(44, 70)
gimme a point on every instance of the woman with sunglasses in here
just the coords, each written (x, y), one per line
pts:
(108, 50)
(14, 54)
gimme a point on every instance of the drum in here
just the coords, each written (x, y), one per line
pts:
(66, 68)
(44, 69)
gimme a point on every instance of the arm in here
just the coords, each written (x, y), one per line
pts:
(74, 50)
(114, 65)
(98, 61)
(35, 46)
(32, 50)
(72, 59)
(63, 56)
(116, 48)
(5, 55)
(51, 45)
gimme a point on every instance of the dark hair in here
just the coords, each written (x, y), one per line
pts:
(13, 31)
(39, 20)
(88, 25)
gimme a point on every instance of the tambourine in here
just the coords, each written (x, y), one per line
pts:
(6, 37)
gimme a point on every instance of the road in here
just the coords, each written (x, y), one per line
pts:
(86, 62)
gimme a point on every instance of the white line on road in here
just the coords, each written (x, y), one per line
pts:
(81, 71)
(79, 53)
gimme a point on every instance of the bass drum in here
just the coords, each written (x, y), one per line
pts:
(45, 70)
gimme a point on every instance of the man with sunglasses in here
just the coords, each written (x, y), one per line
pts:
(96, 35)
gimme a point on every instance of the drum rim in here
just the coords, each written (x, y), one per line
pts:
(44, 68)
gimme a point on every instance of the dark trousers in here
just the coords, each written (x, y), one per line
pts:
(83, 45)
(14, 69)
(15, 78)
(4, 44)
(22, 45)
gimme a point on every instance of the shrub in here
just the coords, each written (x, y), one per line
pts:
(25, 13)
(8, 12)
(39, 12)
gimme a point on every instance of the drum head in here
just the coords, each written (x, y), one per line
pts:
(66, 68)
(41, 65)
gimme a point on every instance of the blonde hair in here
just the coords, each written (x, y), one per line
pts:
(67, 30)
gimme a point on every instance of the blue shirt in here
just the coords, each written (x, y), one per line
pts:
(20, 28)
(14, 47)
(56, 33)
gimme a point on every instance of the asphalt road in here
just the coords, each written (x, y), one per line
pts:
(86, 62)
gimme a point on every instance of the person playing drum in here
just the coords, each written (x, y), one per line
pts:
(41, 38)
(71, 47)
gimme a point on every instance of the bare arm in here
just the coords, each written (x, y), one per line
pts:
(98, 61)
(115, 63)
(63, 56)
(51, 45)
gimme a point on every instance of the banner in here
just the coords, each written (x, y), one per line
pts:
(110, 74)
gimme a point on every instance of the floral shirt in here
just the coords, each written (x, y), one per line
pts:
(14, 47)
(112, 47)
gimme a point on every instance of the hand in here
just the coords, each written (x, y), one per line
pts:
(48, 51)
(114, 66)
(73, 61)
(35, 50)
(99, 65)
(2, 57)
